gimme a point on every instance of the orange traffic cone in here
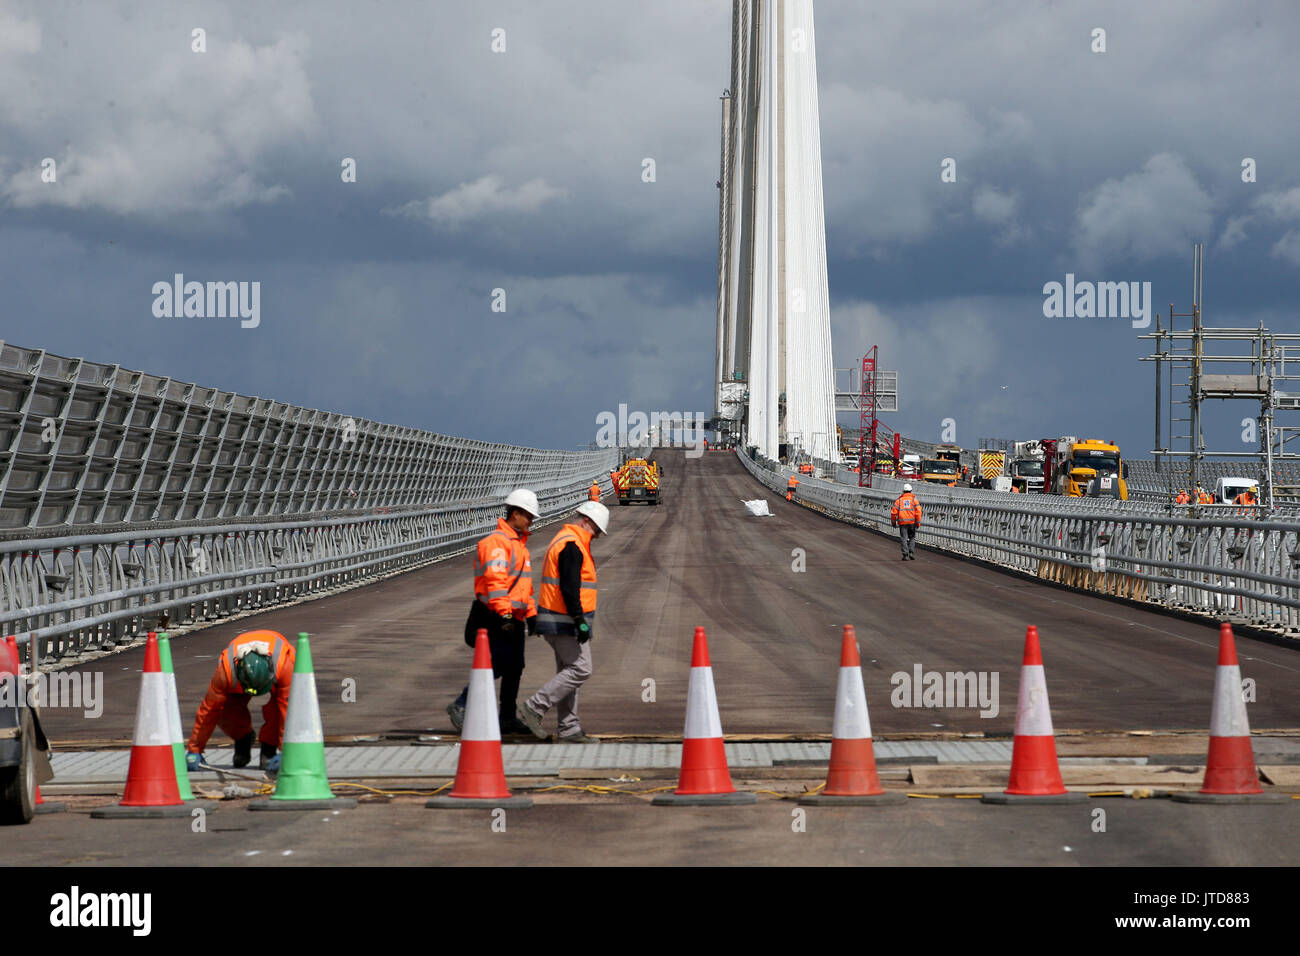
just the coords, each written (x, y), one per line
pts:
(1230, 775)
(480, 774)
(151, 789)
(852, 779)
(705, 779)
(41, 805)
(1035, 774)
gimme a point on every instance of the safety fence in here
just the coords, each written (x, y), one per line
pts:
(1232, 566)
(129, 501)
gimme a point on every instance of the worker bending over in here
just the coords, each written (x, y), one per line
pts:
(254, 663)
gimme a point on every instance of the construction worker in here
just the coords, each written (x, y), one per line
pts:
(1015, 490)
(252, 664)
(566, 608)
(1247, 497)
(1183, 497)
(503, 605)
(790, 486)
(906, 517)
(1203, 496)
(593, 493)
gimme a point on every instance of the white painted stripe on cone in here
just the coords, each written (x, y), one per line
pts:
(701, 706)
(1033, 713)
(173, 710)
(1228, 716)
(851, 721)
(302, 723)
(152, 728)
(481, 709)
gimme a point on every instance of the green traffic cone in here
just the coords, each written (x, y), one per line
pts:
(301, 783)
(174, 719)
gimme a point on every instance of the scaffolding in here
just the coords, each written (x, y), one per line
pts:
(1256, 365)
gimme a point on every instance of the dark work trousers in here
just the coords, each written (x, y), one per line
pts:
(507, 654)
(907, 534)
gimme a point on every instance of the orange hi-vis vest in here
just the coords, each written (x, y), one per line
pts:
(594, 493)
(225, 685)
(906, 510)
(551, 609)
(1245, 498)
(792, 483)
(503, 572)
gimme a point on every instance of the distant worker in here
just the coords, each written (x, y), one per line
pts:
(1247, 497)
(790, 486)
(1184, 497)
(566, 609)
(254, 663)
(1203, 496)
(593, 493)
(906, 517)
(503, 604)
(1015, 489)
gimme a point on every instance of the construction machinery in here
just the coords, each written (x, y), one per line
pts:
(637, 480)
(1025, 468)
(1091, 468)
(940, 471)
(948, 453)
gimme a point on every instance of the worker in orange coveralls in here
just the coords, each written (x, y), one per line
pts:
(253, 663)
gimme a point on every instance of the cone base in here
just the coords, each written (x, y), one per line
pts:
(1023, 799)
(854, 800)
(119, 812)
(1227, 798)
(329, 803)
(733, 799)
(478, 803)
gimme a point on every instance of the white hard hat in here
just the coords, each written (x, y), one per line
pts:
(907, 487)
(524, 499)
(598, 514)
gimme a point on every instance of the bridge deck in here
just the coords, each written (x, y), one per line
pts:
(698, 559)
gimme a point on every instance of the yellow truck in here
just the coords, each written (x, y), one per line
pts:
(637, 480)
(1091, 468)
(940, 471)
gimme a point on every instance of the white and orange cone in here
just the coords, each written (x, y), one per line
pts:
(705, 779)
(852, 779)
(480, 771)
(151, 789)
(1035, 773)
(1230, 775)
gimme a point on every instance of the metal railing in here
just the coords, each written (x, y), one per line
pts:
(127, 500)
(1232, 566)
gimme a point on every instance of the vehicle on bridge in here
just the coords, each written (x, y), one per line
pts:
(1091, 468)
(1025, 469)
(637, 480)
(24, 760)
(1227, 489)
(940, 471)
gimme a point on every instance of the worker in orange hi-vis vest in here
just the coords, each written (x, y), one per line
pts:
(906, 517)
(790, 486)
(1184, 497)
(593, 493)
(253, 663)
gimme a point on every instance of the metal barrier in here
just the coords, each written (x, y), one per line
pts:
(1235, 567)
(129, 500)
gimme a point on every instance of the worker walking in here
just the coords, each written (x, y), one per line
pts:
(790, 486)
(906, 517)
(593, 493)
(503, 604)
(254, 663)
(566, 609)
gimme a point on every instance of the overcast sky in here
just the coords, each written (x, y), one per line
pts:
(522, 170)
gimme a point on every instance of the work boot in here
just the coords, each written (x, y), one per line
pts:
(268, 751)
(512, 725)
(532, 720)
(456, 711)
(578, 738)
(243, 750)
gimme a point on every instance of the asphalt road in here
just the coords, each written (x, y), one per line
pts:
(774, 633)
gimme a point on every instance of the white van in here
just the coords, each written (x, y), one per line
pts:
(1227, 489)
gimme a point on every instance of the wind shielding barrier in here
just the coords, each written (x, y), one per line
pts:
(126, 496)
(1230, 566)
(774, 309)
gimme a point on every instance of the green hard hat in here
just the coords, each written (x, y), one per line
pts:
(255, 673)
